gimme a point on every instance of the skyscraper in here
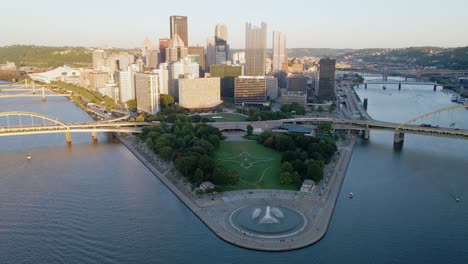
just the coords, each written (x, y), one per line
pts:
(221, 46)
(176, 50)
(200, 51)
(255, 49)
(279, 50)
(163, 45)
(179, 26)
(210, 52)
(147, 45)
(98, 59)
(221, 34)
(326, 89)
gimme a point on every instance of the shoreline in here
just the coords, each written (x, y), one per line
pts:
(215, 212)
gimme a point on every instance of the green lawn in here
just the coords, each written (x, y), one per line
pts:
(227, 117)
(258, 166)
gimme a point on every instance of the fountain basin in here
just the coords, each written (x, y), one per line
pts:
(267, 221)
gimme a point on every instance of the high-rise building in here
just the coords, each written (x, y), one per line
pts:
(176, 49)
(199, 93)
(279, 50)
(147, 92)
(179, 26)
(180, 70)
(296, 83)
(221, 34)
(200, 51)
(326, 89)
(272, 87)
(210, 52)
(255, 49)
(147, 45)
(126, 80)
(98, 59)
(250, 90)
(163, 45)
(152, 59)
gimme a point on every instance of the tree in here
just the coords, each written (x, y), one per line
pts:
(287, 167)
(166, 100)
(140, 118)
(286, 178)
(198, 177)
(132, 105)
(249, 130)
(314, 170)
(325, 127)
(166, 153)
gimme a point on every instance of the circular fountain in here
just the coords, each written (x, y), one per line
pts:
(267, 221)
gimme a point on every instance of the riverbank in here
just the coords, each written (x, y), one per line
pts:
(216, 211)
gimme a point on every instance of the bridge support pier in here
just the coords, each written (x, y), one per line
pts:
(399, 86)
(68, 138)
(365, 86)
(94, 136)
(365, 134)
(435, 88)
(43, 98)
(398, 138)
(366, 100)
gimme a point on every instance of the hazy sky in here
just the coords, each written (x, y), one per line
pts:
(307, 23)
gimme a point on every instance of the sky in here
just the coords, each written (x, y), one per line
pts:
(306, 23)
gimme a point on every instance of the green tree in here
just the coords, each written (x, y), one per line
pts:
(198, 177)
(314, 170)
(166, 100)
(166, 153)
(132, 105)
(325, 127)
(140, 118)
(249, 130)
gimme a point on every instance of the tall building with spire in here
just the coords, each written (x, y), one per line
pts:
(176, 50)
(179, 26)
(255, 49)
(279, 50)
(221, 34)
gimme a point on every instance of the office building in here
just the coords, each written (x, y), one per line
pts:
(250, 90)
(271, 87)
(238, 58)
(163, 45)
(147, 92)
(176, 49)
(210, 53)
(227, 73)
(93, 80)
(179, 27)
(200, 51)
(147, 45)
(326, 89)
(98, 59)
(296, 83)
(221, 34)
(199, 93)
(255, 49)
(180, 70)
(126, 80)
(279, 50)
(152, 59)
(297, 66)
(288, 97)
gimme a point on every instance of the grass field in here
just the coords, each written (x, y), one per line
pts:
(258, 166)
(227, 117)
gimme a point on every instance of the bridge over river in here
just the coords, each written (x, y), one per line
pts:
(34, 123)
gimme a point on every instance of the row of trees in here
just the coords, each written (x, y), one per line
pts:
(303, 157)
(261, 114)
(90, 96)
(191, 147)
(293, 108)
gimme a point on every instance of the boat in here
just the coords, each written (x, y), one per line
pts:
(351, 195)
(384, 87)
(457, 200)
(454, 98)
(460, 100)
(28, 157)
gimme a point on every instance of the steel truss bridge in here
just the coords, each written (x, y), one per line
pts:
(25, 89)
(42, 124)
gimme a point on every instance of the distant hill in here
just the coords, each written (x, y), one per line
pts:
(41, 56)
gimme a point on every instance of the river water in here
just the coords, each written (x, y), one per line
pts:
(96, 203)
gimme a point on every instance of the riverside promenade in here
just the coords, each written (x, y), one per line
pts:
(215, 210)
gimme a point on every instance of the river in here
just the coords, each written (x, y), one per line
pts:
(96, 203)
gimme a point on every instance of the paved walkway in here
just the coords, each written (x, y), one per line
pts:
(215, 210)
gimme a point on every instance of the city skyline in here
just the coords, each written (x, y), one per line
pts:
(331, 24)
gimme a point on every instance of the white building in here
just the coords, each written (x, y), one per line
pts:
(64, 73)
(127, 84)
(272, 87)
(147, 92)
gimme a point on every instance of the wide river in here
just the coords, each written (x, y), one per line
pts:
(96, 203)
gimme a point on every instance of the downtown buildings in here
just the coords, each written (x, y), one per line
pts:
(326, 82)
(255, 49)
